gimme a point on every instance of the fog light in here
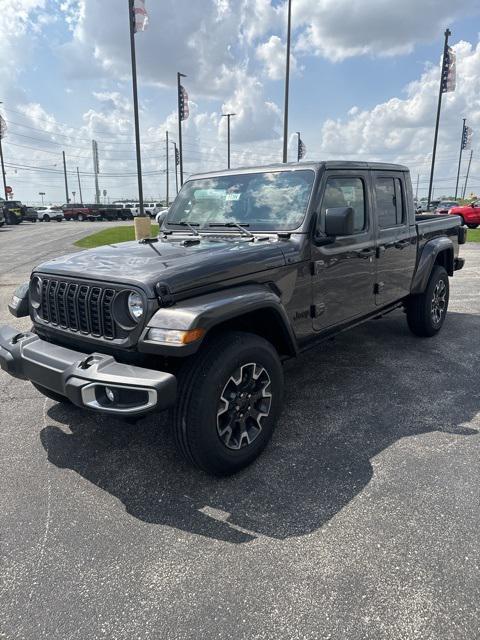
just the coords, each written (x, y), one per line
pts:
(110, 393)
(172, 336)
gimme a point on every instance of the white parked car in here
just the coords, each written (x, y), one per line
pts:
(160, 217)
(46, 214)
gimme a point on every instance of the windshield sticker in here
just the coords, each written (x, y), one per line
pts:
(233, 197)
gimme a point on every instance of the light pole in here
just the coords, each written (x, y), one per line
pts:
(287, 83)
(41, 193)
(228, 116)
(73, 194)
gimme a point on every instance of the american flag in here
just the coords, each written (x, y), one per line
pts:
(467, 138)
(302, 149)
(183, 101)
(449, 71)
(140, 16)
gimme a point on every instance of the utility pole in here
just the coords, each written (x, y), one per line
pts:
(439, 107)
(181, 115)
(79, 186)
(287, 84)
(65, 175)
(228, 116)
(41, 193)
(460, 156)
(96, 170)
(3, 128)
(166, 173)
(466, 177)
(416, 190)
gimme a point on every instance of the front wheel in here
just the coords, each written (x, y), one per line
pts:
(46, 218)
(426, 312)
(229, 399)
(472, 226)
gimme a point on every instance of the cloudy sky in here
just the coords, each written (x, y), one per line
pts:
(364, 86)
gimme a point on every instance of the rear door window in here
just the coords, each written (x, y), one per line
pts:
(390, 202)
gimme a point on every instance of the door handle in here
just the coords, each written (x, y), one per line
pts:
(366, 253)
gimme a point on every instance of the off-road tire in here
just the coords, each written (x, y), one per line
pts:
(51, 394)
(422, 310)
(202, 382)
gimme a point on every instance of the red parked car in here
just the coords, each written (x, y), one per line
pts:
(79, 212)
(469, 213)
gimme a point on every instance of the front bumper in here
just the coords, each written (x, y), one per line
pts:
(91, 381)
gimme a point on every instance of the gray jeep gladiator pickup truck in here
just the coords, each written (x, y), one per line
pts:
(251, 267)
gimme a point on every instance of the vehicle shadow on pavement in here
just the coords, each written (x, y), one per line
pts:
(346, 402)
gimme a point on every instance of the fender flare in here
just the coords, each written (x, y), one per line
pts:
(432, 249)
(212, 309)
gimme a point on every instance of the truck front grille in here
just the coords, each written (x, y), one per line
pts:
(78, 307)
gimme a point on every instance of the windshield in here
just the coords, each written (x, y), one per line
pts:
(262, 201)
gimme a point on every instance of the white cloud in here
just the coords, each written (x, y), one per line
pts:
(272, 54)
(339, 29)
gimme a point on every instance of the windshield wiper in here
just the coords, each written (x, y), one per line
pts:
(184, 223)
(240, 227)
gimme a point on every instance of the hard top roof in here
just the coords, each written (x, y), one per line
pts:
(315, 166)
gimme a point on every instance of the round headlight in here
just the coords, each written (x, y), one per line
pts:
(36, 292)
(135, 305)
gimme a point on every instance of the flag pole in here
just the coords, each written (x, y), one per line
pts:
(298, 147)
(142, 225)
(466, 177)
(166, 173)
(180, 144)
(460, 157)
(440, 93)
(176, 166)
(287, 84)
(3, 166)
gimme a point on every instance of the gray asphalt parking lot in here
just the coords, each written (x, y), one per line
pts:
(361, 520)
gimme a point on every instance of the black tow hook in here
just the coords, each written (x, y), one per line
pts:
(88, 362)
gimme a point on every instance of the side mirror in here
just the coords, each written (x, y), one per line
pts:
(340, 221)
(473, 205)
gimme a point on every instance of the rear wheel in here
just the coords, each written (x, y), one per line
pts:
(229, 399)
(472, 226)
(51, 394)
(426, 312)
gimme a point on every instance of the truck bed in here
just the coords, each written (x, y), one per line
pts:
(431, 226)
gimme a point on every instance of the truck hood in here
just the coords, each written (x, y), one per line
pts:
(173, 261)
